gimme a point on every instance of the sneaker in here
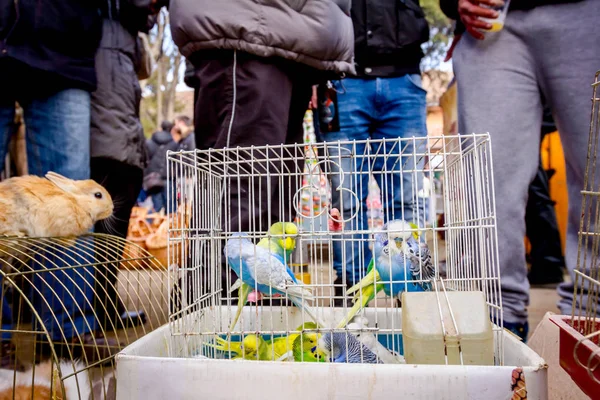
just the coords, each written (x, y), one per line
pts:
(549, 276)
(8, 357)
(521, 330)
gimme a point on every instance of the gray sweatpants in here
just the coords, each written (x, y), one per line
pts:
(552, 51)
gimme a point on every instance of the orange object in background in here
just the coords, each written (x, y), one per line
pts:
(553, 158)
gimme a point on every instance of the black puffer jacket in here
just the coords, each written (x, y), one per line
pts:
(59, 37)
(388, 36)
(116, 130)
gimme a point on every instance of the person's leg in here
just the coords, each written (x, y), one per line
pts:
(402, 114)
(256, 113)
(159, 200)
(58, 134)
(7, 357)
(259, 116)
(58, 140)
(348, 171)
(567, 72)
(117, 157)
(7, 113)
(7, 350)
(498, 93)
(123, 182)
(283, 193)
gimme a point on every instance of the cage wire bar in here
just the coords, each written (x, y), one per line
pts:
(585, 313)
(247, 189)
(62, 299)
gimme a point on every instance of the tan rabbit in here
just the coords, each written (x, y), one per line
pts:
(55, 206)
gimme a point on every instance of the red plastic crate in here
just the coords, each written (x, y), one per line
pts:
(578, 356)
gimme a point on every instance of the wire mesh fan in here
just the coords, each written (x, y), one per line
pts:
(580, 333)
(250, 189)
(68, 306)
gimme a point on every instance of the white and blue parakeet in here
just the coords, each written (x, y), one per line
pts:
(421, 265)
(260, 267)
(346, 348)
(359, 327)
(398, 260)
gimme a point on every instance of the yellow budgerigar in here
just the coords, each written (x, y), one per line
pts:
(254, 347)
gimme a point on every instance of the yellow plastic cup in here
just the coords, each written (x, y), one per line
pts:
(498, 22)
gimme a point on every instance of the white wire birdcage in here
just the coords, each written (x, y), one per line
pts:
(249, 189)
(580, 333)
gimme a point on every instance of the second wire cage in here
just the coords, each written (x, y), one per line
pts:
(323, 284)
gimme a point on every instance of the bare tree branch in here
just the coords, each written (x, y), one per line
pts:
(159, 102)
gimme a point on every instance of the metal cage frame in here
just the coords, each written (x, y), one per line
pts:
(58, 290)
(208, 182)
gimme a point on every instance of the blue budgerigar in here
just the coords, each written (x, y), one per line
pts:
(398, 259)
(346, 348)
(262, 268)
(280, 242)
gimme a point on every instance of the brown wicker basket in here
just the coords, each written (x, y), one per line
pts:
(133, 250)
(157, 243)
(151, 232)
(139, 230)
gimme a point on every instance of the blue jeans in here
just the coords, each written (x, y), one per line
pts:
(58, 139)
(379, 108)
(160, 200)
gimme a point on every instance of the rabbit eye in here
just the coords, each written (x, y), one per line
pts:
(98, 195)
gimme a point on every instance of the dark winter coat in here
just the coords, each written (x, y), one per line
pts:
(56, 37)
(116, 130)
(388, 37)
(158, 146)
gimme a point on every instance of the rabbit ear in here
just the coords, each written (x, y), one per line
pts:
(65, 184)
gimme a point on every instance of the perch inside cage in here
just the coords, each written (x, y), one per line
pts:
(67, 309)
(240, 244)
(580, 333)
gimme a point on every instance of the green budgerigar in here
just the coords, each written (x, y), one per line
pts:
(254, 347)
(306, 349)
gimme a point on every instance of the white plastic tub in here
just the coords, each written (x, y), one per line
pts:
(145, 371)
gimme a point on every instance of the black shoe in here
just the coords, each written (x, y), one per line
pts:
(521, 330)
(549, 276)
(131, 319)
